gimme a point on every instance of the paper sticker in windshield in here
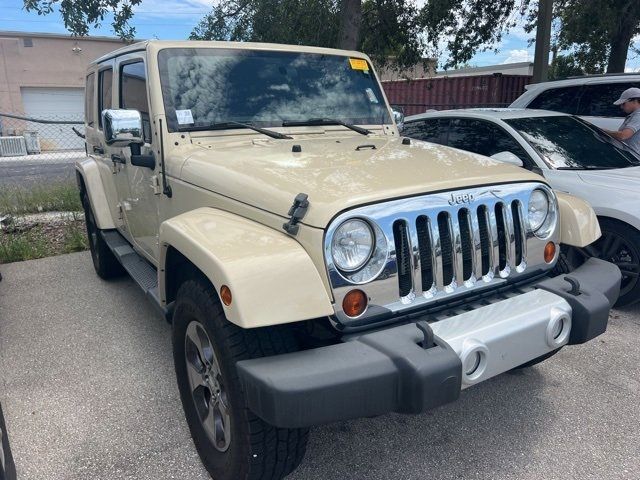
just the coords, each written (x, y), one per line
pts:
(371, 95)
(359, 64)
(184, 117)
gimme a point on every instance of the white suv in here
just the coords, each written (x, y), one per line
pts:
(591, 97)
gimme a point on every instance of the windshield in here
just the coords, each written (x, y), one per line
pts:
(569, 143)
(205, 86)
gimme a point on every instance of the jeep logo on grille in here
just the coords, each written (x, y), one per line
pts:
(458, 198)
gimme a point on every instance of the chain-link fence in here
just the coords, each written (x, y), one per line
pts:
(54, 137)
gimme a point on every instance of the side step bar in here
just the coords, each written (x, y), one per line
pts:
(142, 272)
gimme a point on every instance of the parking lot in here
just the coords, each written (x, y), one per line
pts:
(88, 391)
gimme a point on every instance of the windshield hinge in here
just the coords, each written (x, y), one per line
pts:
(297, 212)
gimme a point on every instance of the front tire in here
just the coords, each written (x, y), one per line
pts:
(104, 261)
(233, 443)
(620, 245)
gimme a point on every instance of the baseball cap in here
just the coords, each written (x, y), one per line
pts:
(628, 94)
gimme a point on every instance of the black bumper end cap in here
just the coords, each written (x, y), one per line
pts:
(377, 373)
(599, 289)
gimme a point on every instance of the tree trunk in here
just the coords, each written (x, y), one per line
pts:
(350, 20)
(620, 39)
(619, 50)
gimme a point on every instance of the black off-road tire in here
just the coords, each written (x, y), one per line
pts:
(620, 245)
(257, 450)
(104, 261)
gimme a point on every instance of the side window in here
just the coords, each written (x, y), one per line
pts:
(563, 100)
(485, 138)
(133, 93)
(427, 130)
(105, 86)
(89, 100)
(597, 100)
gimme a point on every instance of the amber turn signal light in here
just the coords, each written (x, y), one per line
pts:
(549, 252)
(225, 295)
(354, 303)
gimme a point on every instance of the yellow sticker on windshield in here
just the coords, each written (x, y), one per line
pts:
(359, 64)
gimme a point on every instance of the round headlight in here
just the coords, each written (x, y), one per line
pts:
(352, 245)
(538, 209)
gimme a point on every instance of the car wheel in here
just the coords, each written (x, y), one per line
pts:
(619, 244)
(104, 261)
(233, 443)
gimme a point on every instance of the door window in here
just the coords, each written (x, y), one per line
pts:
(105, 86)
(485, 138)
(427, 130)
(597, 100)
(563, 100)
(133, 93)
(89, 100)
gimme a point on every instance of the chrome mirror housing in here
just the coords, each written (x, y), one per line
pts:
(398, 117)
(122, 127)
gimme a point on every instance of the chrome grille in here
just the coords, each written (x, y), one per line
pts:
(440, 247)
(466, 239)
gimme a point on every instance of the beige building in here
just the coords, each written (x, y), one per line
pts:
(42, 74)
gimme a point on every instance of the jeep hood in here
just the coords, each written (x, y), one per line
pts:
(618, 179)
(336, 173)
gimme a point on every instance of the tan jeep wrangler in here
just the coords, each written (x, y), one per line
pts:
(315, 266)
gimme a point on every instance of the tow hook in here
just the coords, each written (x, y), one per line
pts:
(427, 342)
(575, 285)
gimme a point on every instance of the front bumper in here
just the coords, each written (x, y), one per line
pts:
(390, 371)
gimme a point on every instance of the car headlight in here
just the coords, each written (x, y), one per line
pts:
(352, 245)
(541, 213)
(538, 209)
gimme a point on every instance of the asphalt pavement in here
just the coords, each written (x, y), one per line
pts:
(38, 169)
(88, 391)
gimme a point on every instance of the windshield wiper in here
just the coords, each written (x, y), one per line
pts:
(316, 122)
(229, 125)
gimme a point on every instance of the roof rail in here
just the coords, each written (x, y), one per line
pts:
(597, 75)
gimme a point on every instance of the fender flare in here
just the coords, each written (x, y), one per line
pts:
(89, 171)
(272, 278)
(579, 224)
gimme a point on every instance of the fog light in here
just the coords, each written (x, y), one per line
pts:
(559, 327)
(354, 303)
(549, 252)
(225, 295)
(471, 363)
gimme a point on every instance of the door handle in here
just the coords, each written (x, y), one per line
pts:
(97, 149)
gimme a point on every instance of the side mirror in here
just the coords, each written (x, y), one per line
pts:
(398, 117)
(122, 128)
(508, 157)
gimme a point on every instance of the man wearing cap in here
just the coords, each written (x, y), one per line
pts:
(629, 131)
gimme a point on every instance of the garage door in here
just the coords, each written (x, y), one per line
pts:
(54, 104)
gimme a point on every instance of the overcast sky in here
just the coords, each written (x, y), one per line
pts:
(174, 19)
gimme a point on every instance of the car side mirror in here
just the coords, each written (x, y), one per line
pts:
(398, 117)
(508, 157)
(122, 128)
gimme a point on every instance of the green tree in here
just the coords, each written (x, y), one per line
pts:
(599, 32)
(388, 30)
(80, 15)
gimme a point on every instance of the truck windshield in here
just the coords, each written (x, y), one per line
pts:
(203, 86)
(566, 142)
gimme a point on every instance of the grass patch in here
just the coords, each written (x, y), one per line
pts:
(60, 196)
(15, 247)
(23, 241)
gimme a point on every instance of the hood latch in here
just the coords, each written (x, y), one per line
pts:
(297, 212)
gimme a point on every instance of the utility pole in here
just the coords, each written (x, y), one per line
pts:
(543, 41)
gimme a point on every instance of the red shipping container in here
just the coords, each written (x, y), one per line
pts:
(444, 93)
